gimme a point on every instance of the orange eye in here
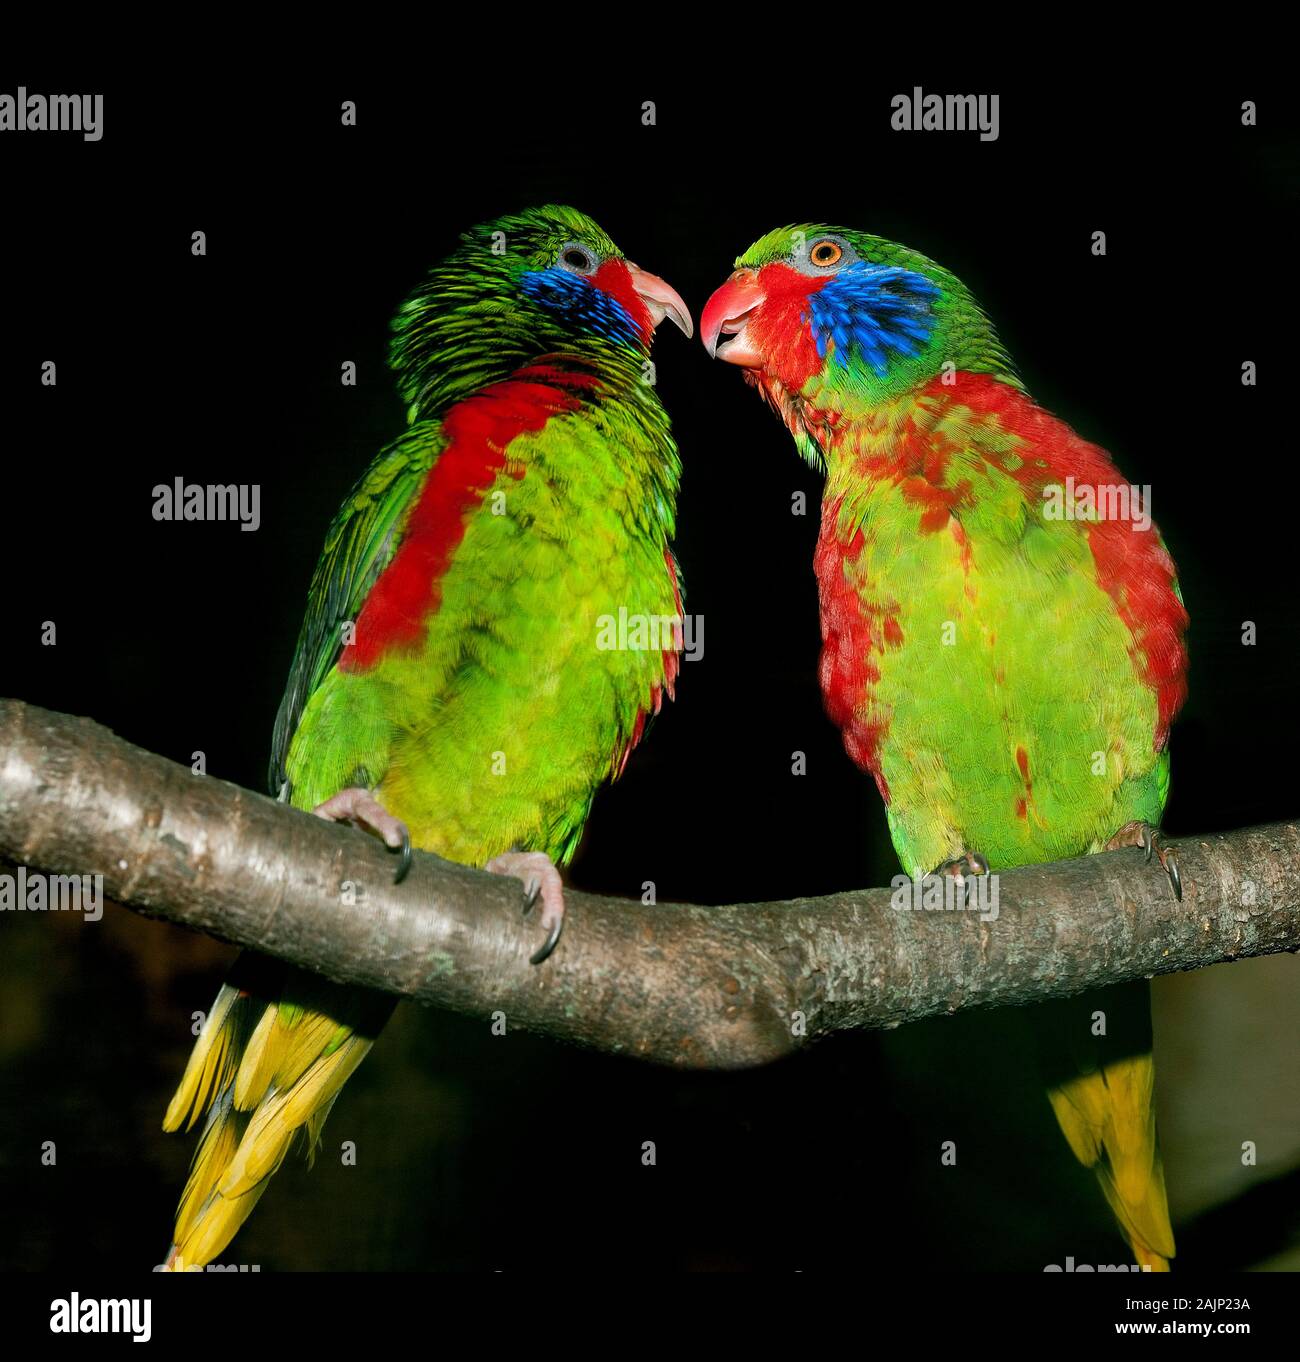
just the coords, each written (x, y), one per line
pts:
(826, 253)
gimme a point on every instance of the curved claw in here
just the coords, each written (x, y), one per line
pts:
(404, 853)
(1148, 842)
(549, 944)
(1150, 839)
(537, 873)
(1169, 859)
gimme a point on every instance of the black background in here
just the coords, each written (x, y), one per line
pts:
(483, 1152)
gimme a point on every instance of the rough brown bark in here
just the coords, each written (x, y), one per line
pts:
(705, 987)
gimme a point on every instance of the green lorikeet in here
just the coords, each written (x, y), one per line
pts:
(1003, 656)
(448, 689)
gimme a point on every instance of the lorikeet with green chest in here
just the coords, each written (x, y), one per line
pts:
(1006, 671)
(448, 690)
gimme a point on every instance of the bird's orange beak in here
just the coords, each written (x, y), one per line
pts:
(661, 299)
(724, 321)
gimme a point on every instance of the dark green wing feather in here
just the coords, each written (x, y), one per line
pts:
(360, 544)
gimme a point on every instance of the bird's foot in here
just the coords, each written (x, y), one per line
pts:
(1140, 834)
(963, 869)
(355, 805)
(538, 872)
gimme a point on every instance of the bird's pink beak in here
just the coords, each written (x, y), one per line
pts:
(726, 316)
(660, 298)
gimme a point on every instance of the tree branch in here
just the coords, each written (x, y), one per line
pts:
(701, 987)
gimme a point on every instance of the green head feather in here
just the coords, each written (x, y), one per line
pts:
(515, 290)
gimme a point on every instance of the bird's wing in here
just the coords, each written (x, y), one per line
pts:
(361, 542)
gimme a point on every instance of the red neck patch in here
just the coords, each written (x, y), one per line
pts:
(479, 432)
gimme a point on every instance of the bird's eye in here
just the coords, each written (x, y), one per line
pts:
(577, 258)
(826, 253)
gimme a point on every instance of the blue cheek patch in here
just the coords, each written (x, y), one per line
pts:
(878, 310)
(581, 304)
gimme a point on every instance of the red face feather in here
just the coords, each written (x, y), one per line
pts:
(782, 328)
(772, 307)
(645, 297)
(614, 277)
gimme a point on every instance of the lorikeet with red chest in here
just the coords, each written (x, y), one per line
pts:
(448, 690)
(1006, 668)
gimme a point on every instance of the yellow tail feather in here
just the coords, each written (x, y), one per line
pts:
(281, 1113)
(257, 1063)
(211, 1064)
(216, 1148)
(267, 1065)
(1108, 1117)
